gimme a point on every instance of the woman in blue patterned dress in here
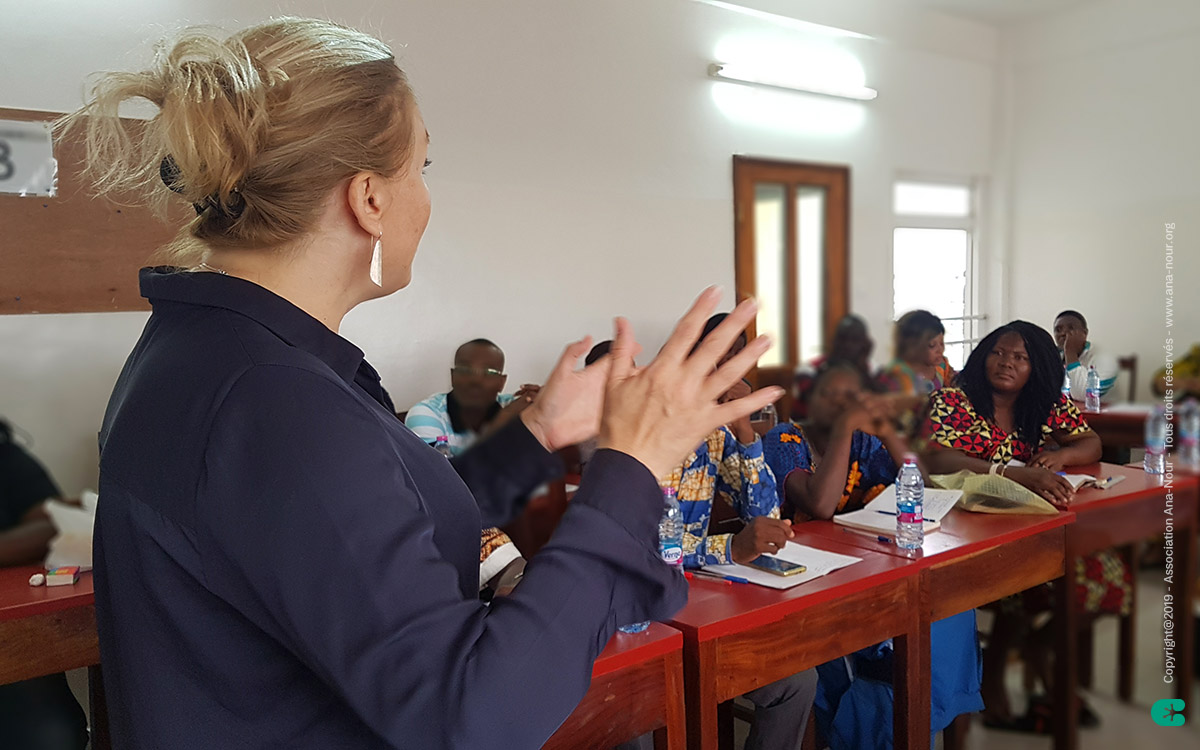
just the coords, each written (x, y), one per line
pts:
(835, 463)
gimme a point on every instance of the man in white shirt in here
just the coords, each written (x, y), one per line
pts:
(1071, 335)
(474, 405)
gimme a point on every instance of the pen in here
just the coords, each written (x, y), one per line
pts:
(878, 537)
(692, 576)
(720, 577)
(887, 512)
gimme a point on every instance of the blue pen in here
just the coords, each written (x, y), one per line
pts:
(878, 537)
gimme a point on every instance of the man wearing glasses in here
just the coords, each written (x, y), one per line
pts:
(475, 405)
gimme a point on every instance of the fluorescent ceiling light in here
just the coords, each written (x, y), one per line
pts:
(729, 72)
(788, 21)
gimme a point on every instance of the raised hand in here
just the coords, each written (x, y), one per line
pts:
(659, 413)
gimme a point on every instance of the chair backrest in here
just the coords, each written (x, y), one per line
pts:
(1129, 363)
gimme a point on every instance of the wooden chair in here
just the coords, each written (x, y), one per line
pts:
(1129, 363)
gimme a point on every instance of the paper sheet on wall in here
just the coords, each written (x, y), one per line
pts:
(937, 502)
(818, 561)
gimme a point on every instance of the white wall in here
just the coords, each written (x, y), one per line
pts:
(1104, 152)
(581, 170)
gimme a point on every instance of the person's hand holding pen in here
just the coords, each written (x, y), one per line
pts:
(762, 536)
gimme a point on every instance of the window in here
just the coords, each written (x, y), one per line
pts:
(933, 260)
(790, 253)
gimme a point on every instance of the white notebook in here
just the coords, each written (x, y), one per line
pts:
(818, 561)
(937, 502)
(877, 522)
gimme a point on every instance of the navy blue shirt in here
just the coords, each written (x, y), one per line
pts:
(280, 563)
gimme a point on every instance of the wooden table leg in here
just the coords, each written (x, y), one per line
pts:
(910, 674)
(700, 696)
(99, 710)
(1127, 648)
(674, 735)
(1066, 659)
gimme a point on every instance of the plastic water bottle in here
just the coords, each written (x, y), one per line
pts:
(670, 529)
(1156, 441)
(670, 543)
(442, 445)
(1066, 389)
(1092, 400)
(910, 505)
(770, 417)
(1189, 435)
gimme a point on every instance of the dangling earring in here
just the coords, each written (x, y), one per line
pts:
(377, 261)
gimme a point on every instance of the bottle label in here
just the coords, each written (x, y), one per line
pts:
(672, 554)
(911, 516)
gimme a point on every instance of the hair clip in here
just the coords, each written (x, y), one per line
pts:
(168, 172)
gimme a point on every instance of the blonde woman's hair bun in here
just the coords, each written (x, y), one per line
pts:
(253, 130)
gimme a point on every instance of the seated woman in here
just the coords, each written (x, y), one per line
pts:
(1009, 406)
(837, 462)
(729, 468)
(852, 343)
(1078, 353)
(919, 366)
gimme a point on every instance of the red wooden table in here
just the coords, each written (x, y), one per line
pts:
(637, 687)
(738, 637)
(972, 560)
(1129, 512)
(1119, 430)
(44, 630)
(637, 681)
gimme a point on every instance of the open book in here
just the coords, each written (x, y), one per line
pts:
(1079, 480)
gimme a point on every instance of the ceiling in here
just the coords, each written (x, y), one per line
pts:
(1002, 12)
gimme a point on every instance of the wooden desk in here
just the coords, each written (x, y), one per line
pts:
(976, 558)
(637, 682)
(740, 637)
(1129, 512)
(44, 630)
(1118, 430)
(637, 687)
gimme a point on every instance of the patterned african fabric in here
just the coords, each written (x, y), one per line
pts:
(1105, 581)
(952, 422)
(871, 467)
(899, 377)
(496, 551)
(720, 467)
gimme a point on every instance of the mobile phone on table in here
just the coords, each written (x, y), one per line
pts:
(777, 566)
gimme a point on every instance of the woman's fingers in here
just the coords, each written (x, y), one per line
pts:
(568, 360)
(717, 343)
(689, 327)
(731, 372)
(623, 350)
(731, 411)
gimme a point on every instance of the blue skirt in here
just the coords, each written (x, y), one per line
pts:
(853, 707)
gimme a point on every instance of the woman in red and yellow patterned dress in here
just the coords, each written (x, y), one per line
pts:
(1008, 406)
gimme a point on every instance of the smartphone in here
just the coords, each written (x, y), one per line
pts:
(777, 566)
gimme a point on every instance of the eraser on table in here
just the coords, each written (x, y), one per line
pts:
(37, 579)
(64, 576)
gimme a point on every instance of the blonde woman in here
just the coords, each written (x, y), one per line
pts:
(281, 563)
